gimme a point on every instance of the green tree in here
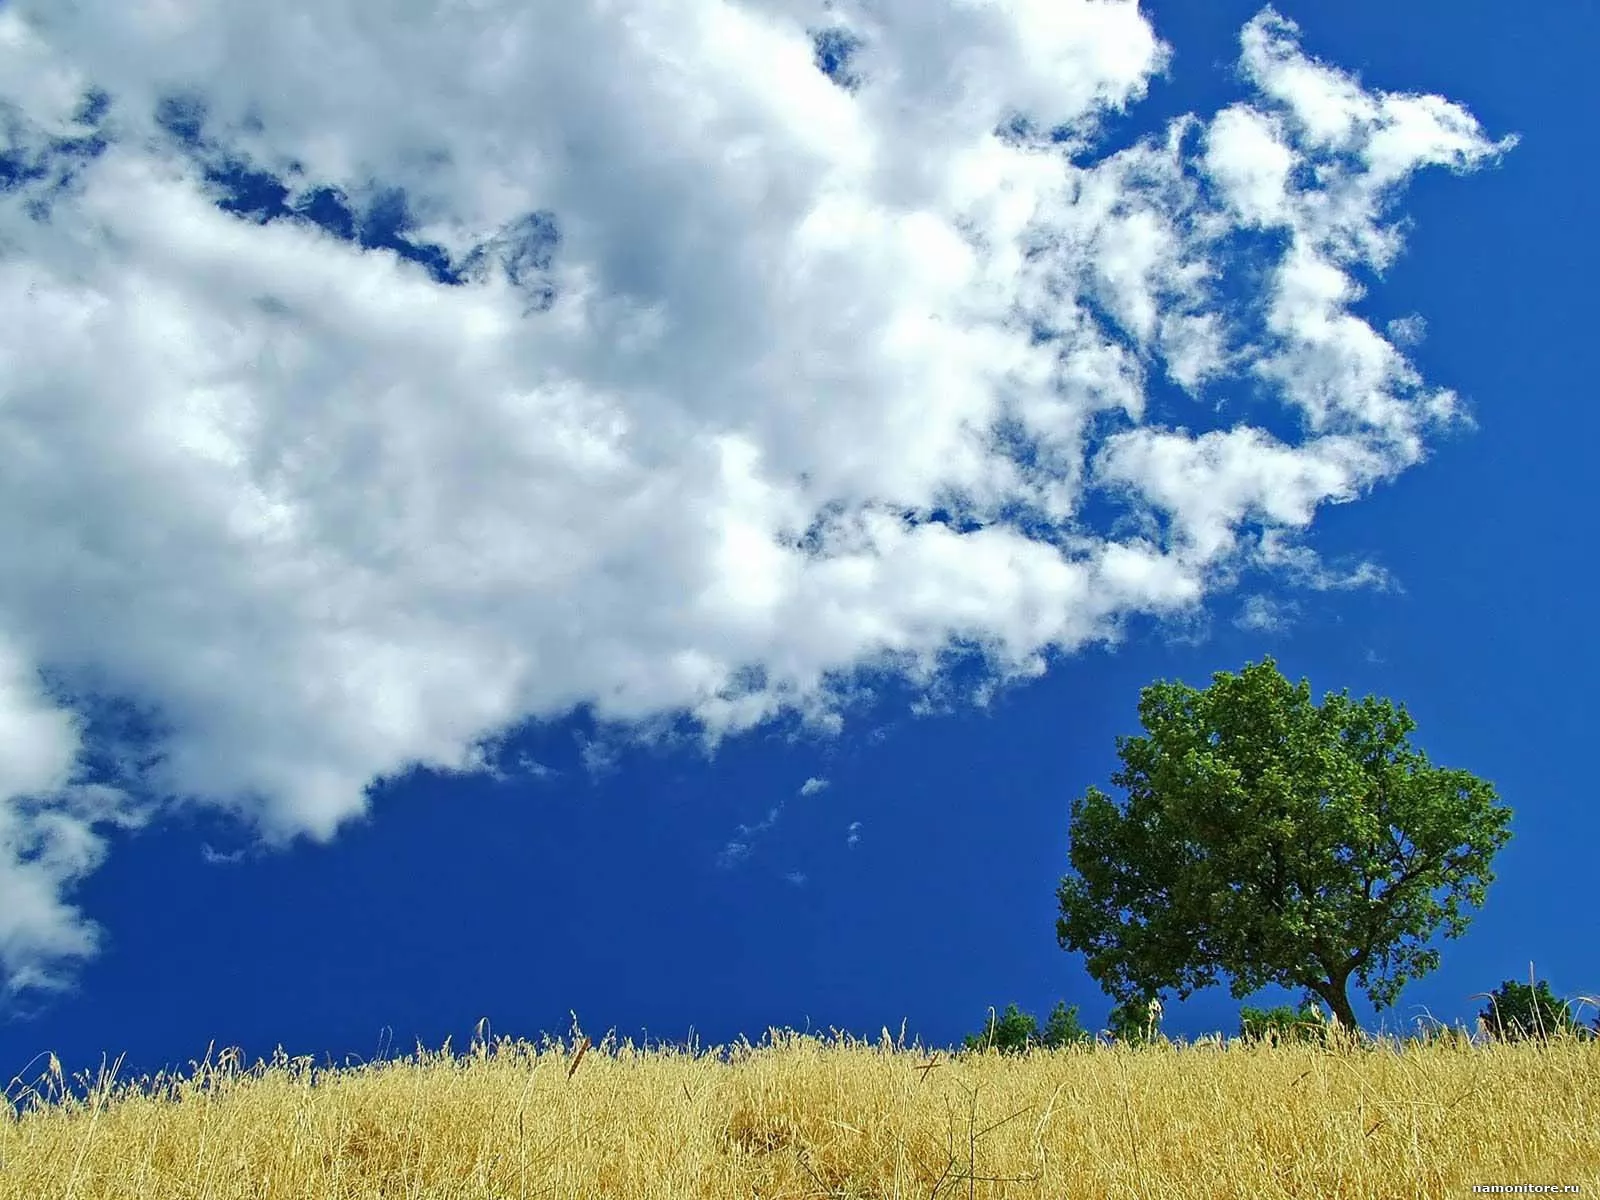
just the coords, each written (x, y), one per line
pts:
(1009, 1033)
(1014, 1031)
(1063, 1028)
(1276, 841)
(1520, 1011)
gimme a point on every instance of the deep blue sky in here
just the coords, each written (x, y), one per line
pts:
(521, 901)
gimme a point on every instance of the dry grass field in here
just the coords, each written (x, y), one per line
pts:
(799, 1116)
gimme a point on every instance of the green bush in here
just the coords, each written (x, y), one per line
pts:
(1063, 1028)
(1520, 1012)
(1015, 1031)
(1130, 1023)
(1281, 1024)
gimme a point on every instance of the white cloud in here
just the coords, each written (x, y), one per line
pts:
(332, 519)
(732, 854)
(738, 849)
(1303, 567)
(1263, 614)
(852, 834)
(50, 830)
(1249, 159)
(1409, 330)
(534, 768)
(798, 878)
(598, 756)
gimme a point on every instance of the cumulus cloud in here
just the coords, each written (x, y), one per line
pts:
(48, 822)
(381, 379)
(812, 786)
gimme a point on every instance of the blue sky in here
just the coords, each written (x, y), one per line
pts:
(416, 470)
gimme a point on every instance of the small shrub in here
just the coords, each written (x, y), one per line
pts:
(1522, 1012)
(1281, 1024)
(1063, 1028)
(1130, 1023)
(1009, 1034)
(1015, 1031)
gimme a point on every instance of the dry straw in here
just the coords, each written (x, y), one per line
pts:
(802, 1117)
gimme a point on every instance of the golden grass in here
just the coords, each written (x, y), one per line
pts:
(802, 1117)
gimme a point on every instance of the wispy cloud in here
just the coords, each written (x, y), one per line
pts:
(535, 769)
(598, 756)
(732, 854)
(675, 447)
(798, 878)
(1301, 566)
(738, 849)
(524, 766)
(1408, 331)
(1263, 614)
(852, 834)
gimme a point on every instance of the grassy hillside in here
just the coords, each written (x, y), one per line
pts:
(802, 1117)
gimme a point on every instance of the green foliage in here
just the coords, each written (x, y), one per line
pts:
(1063, 1029)
(1009, 1034)
(1283, 1024)
(1130, 1023)
(1276, 841)
(1520, 1011)
(1015, 1031)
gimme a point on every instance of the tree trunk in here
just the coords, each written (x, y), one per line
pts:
(1334, 992)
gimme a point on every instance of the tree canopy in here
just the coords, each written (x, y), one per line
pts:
(1524, 1011)
(1014, 1031)
(1275, 841)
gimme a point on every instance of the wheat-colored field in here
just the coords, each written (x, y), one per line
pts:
(800, 1116)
